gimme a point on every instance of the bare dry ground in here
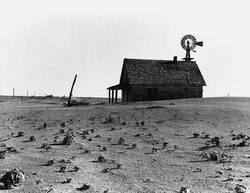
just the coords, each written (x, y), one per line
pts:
(140, 163)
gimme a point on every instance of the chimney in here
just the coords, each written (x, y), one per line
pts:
(175, 59)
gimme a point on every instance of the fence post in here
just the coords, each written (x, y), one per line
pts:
(70, 94)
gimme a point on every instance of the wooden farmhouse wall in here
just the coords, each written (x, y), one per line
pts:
(147, 93)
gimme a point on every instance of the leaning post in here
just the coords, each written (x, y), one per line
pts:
(70, 94)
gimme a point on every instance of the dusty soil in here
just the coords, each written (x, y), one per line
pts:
(147, 166)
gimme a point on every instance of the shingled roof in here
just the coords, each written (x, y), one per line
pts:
(161, 72)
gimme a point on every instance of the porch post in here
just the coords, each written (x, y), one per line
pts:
(116, 93)
(112, 96)
(109, 95)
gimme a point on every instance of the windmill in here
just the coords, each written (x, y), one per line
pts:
(188, 43)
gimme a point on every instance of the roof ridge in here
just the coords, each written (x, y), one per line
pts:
(159, 60)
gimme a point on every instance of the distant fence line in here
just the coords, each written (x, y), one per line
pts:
(4, 98)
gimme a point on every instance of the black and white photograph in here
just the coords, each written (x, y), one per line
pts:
(125, 96)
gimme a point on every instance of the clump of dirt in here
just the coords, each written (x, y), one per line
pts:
(86, 132)
(11, 149)
(69, 138)
(84, 187)
(184, 190)
(195, 135)
(243, 143)
(101, 158)
(68, 180)
(20, 134)
(121, 141)
(2, 154)
(63, 169)
(216, 156)
(240, 136)
(63, 124)
(104, 148)
(109, 120)
(32, 138)
(240, 189)
(51, 162)
(46, 146)
(216, 140)
(12, 178)
(76, 168)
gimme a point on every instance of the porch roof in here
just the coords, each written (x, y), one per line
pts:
(122, 86)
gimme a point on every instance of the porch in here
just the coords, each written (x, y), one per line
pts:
(113, 93)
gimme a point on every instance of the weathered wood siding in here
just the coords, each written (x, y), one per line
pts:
(141, 93)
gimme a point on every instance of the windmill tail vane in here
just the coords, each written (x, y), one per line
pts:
(188, 43)
(199, 44)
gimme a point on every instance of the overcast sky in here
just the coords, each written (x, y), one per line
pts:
(43, 44)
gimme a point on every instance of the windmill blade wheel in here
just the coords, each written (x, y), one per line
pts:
(188, 38)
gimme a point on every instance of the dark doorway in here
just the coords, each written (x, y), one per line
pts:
(152, 94)
(185, 93)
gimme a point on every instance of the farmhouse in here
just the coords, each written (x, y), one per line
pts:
(146, 80)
